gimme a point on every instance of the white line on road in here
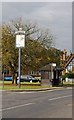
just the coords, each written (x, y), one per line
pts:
(16, 106)
(59, 97)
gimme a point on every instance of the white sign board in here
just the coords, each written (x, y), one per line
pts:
(20, 41)
(54, 64)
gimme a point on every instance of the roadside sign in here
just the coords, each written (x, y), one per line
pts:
(20, 41)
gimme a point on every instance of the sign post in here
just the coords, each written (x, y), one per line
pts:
(3, 79)
(20, 43)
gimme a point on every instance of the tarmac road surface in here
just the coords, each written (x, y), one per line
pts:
(46, 104)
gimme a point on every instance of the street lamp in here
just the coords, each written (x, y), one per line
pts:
(20, 43)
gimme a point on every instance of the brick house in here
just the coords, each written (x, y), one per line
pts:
(50, 72)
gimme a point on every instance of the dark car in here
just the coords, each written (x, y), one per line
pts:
(27, 78)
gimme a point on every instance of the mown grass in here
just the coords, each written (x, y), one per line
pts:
(23, 86)
(10, 82)
(27, 85)
(68, 84)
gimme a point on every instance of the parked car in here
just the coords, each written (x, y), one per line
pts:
(8, 78)
(27, 78)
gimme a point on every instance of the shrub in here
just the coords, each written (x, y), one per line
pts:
(68, 75)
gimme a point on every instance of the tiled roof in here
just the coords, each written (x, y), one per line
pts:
(46, 68)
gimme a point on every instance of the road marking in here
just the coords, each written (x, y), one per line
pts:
(59, 97)
(16, 106)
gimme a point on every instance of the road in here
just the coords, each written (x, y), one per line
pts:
(46, 104)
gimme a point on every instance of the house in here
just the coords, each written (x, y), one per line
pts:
(50, 72)
(69, 64)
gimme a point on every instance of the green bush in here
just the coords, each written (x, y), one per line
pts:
(63, 77)
(71, 75)
(68, 75)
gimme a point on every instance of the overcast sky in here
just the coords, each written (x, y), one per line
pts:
(56, 16)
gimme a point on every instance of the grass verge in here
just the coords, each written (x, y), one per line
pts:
(24, 86)
(28, 86)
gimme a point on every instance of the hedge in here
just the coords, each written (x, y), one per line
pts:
(68, 75)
